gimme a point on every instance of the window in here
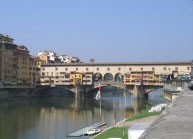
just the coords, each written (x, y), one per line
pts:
(164, 68)
(51, 73)
(119, 68)
(66, 69)
(76, 68)
(188, 68)
(141, 69)
(56, 68)
(86, 69)
(97, 69)
(108, 69)
(47, 73)
(176, 68)
(43, 69)
(130, 69)
(153, 69)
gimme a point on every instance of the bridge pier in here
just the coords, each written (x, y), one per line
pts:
(80, 90)
(138, 105)
(139, 92)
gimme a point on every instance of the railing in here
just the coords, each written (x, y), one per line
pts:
(174, 84)
(111, 83)
(15, 87)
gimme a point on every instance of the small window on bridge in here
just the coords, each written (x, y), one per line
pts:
(141, 69)
(164, 68)
(97, 69)
(108, 69)
(119, 69)
(76, 68)
(176, 68)
(130, 69)
(153, 69)
(188, 68)
(86, 69)
(66, 69)
(56, 68)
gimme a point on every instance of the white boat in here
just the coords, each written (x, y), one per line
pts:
(93, 131)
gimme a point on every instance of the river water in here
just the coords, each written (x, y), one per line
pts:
(54, 118)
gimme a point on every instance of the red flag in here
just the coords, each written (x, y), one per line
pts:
(98, 95)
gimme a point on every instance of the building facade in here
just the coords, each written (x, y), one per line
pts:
(117, 71)
(23, 63)
(44, 59)
(50, 54)
(61, 78)
(15, 65)
(34, 69)
(8, 61)
(143, 77)
(68, 59)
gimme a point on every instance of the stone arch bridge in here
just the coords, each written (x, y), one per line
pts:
(138, 91)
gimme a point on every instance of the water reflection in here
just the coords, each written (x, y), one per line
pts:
(54, 118)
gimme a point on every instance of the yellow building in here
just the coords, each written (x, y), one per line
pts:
(34, 69)
(142, 77)
(56, 78)
(8, 61)
(23, 57)
(44, 59)
(76, 78)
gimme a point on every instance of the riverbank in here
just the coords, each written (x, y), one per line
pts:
(120, 130)
(176, 122)
(10, 94)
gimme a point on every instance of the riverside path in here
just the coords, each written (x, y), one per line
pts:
(176, 122)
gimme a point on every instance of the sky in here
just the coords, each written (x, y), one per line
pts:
(106, 30)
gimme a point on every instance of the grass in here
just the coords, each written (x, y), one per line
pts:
(143, 114)
(113, 133)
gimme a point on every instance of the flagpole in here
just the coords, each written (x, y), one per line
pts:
(124, 113)
(100, 106)
(100, 113)
(98, 97)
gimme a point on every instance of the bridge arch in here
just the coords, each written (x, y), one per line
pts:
(108, 77)
(53, 91)
(119, 77)
(98, 77)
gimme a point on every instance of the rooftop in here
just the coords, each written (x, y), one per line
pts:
(5, 36)
(22, 48)
(121, 63)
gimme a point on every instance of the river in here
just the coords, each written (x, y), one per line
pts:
(54, 118)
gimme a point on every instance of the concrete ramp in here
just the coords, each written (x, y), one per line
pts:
(82, 131)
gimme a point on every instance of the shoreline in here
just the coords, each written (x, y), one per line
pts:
(123, 123)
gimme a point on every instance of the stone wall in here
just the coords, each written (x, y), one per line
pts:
(7, 94)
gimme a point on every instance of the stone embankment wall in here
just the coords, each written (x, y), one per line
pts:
(7, 94)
